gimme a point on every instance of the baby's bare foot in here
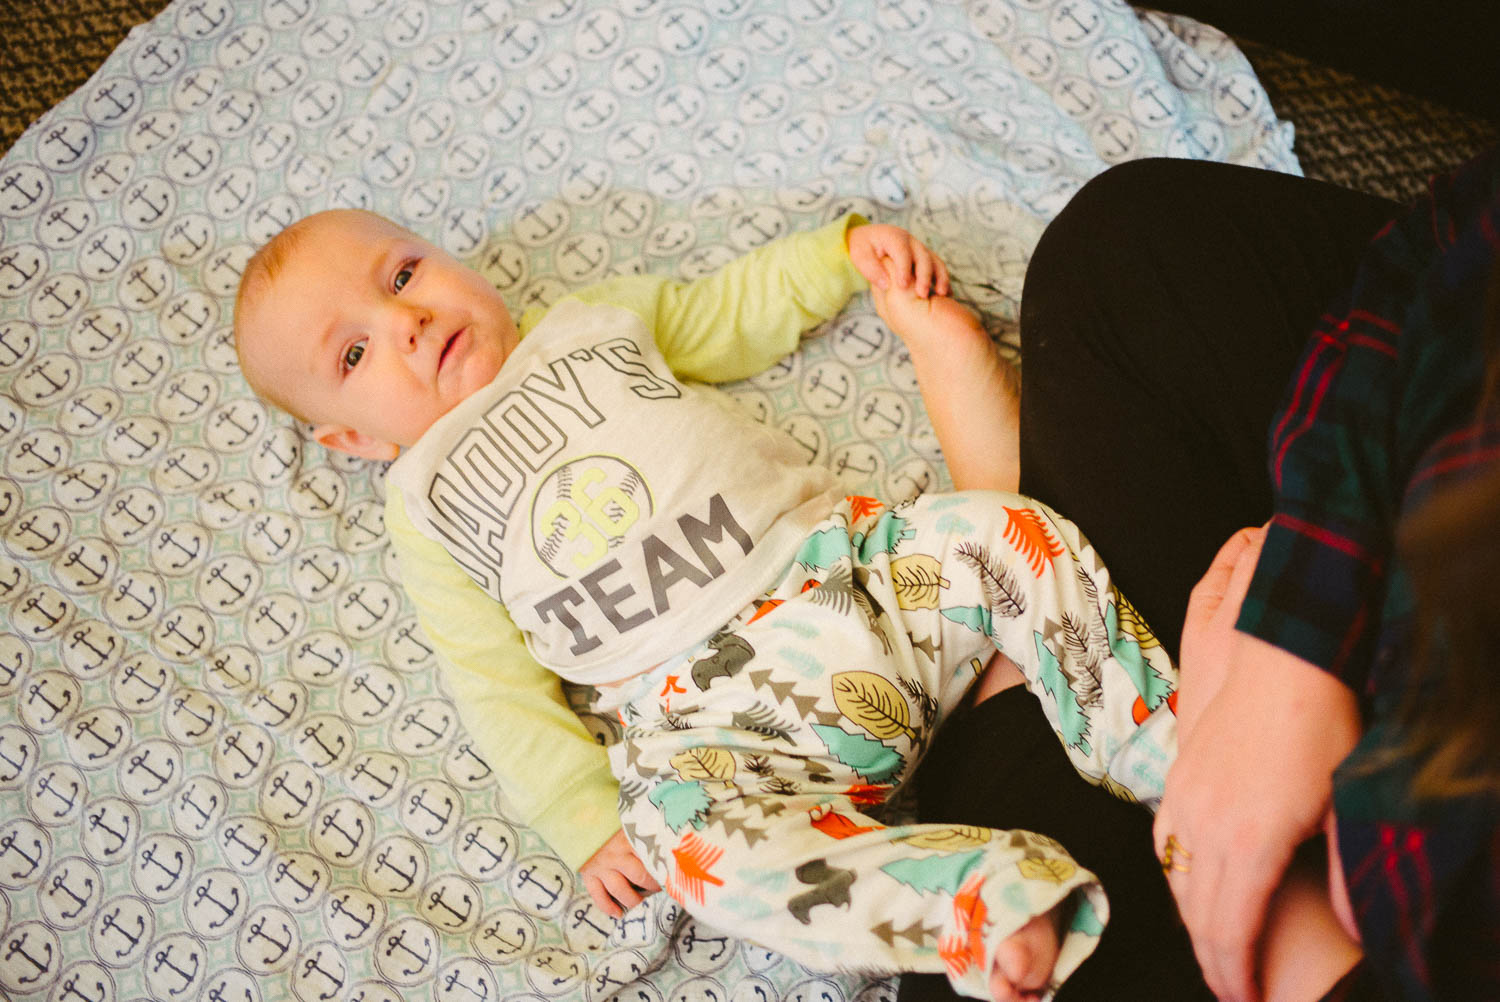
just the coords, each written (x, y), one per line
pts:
(911, 315)
(1024, 962)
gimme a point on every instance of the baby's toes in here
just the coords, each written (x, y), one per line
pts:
(1024, 962)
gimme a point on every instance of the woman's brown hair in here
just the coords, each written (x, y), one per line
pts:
(1450, 547)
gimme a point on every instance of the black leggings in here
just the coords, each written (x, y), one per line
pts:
(1163, 310)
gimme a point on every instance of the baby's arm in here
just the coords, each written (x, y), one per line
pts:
(749, 314)
(555, 776)
(973, 396)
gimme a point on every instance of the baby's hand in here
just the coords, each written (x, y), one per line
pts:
(615, 877)
(890, 258)
(1023, 963)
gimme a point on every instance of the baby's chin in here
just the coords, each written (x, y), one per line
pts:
(482, 367)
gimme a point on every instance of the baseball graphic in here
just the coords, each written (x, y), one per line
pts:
(583, 509)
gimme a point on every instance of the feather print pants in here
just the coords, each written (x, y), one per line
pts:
(753, 768)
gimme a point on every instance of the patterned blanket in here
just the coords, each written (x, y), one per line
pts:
(228, 765)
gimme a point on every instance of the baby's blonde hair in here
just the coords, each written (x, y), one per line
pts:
(259, 274)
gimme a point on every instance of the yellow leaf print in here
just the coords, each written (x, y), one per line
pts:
(1132, 623)
(1020, 839)
(918, 581)
(949, 838)
(1115, 789)
(703, 763)
(1047, 868)
(874, 703)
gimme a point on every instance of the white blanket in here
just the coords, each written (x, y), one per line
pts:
(228, 768)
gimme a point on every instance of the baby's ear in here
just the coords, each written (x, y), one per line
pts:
(346, 439)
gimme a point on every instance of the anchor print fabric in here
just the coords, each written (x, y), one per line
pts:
(753, 771)
(227, 766)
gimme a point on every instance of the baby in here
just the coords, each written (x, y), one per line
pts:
(575, 504)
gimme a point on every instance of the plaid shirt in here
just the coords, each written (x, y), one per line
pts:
(1380, 411)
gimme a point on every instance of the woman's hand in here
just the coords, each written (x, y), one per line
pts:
(1253, 777)
(1208, 628)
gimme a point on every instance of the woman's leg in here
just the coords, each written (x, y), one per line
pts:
(1162, 312)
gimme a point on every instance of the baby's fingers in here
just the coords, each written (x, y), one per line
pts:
(601, 896)
(940, 284)
(896, 256)
(641, 877)
(931, 273)
(624, 891)
(921, 260)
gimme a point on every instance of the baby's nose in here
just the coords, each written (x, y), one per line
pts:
(409, 324)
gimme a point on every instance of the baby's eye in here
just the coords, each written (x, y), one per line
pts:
(352, 355)
(403, 275)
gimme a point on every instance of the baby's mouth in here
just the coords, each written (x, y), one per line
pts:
(449, 345)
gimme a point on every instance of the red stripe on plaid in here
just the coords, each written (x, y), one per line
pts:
(1330, 539)
(1327, 373)
(1396, 843)
(1366, 341)
(1358, 874)
(1404, 930)
(1352, 637)
(1416, 842)
(1475, 458)
(1375, 320)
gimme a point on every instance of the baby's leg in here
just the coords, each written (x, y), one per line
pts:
(811, 876)
(1023, 965)
(1094, 678)
(1010, 571)
(999, 673)
(747, 770)
(998, 764)
(972, 394)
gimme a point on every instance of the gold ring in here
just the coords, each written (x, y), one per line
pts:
(1175, 857)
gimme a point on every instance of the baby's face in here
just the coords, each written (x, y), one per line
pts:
(372, 334)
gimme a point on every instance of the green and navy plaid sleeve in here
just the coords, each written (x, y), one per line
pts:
(1382, 377)
(1381, 411)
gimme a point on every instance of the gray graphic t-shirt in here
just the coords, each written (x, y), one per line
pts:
(620, 514)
